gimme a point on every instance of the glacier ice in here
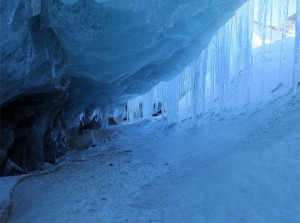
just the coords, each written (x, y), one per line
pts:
(221, 78)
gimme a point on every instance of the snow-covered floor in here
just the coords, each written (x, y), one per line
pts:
(232, 167)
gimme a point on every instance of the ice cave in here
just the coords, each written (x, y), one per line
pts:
(137, 111)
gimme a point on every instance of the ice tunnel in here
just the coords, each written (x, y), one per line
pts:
(81, 77)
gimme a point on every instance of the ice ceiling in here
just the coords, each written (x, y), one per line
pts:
(117, 47)
(126, 47)
(122, 42)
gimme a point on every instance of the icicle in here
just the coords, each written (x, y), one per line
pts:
(105, 117)
(262, 25)
(81, 119)
(171, 104)
(297, 50)
(248, 49)
(285, 7)
(271, 5)
(212, 72)
(147, 105)
(95, 114)
(196, 86)
(134, 108)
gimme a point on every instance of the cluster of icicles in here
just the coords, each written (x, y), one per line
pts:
(221, 77)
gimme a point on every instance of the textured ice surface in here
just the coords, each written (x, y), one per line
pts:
(129, 46)
(32, 58)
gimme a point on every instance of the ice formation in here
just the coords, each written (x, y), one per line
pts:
(221, 78)
(297, 50)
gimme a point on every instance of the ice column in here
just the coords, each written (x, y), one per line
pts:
(134, 108)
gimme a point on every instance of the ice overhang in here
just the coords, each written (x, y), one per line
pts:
(128, 46)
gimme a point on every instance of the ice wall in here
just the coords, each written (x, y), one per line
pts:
(221, 78)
